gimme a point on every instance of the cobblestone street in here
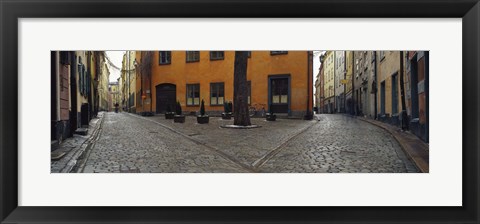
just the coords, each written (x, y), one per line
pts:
(330, 143)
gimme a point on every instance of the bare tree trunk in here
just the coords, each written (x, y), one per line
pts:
(240, 91)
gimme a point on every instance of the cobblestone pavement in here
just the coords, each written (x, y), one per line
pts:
(341, 144)
(245, 146)
(131, 145)
(336, 143)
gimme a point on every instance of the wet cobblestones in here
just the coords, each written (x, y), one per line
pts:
(341, 144)
(129, 145)
(133, 144)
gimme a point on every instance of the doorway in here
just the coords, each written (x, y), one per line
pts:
(279, 94)
(382, 98)
(166, 95)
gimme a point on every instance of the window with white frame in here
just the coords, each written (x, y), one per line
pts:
(217, 93)
(193, 94)
(164, 57)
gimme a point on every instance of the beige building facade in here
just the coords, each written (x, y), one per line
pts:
(128, 87)
(329, 82)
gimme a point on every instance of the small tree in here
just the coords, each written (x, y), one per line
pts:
(178, 109)
(202, 108)
(202, 118)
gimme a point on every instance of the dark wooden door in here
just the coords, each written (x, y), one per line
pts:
(394, 95)
(279, 95)
(166, 95)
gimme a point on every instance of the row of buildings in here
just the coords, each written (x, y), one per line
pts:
(79, 90)
(150, 81)
(390, 86)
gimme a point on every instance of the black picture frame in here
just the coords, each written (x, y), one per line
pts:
(12, 10)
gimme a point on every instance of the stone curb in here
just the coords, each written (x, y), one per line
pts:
(85, 152)
(72, 157)
(416, 149)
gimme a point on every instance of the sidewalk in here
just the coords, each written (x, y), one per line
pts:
(71, 149)
(416, 149)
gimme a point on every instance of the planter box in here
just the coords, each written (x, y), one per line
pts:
(271, 117)
(169, 115)
(146, 114)
(226, 116)
(203, 119)
(179, 118)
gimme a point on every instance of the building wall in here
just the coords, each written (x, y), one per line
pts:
(114, 95)
(93, 70)
(322, 88)
(317, 90)
(349, 61)
(60, 120)
(339, 75)
(329, 77)
(81, 61)
(370, 92)
(143, 83)
(103, 87)
(120, 92)
(129, 82)
(64, 91)
(260, 66)
(386, 67)
(417, 89)
(363, 81)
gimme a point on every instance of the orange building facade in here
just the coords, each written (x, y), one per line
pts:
(280, 81)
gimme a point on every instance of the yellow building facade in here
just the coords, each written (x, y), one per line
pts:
(128, 83)
(277, 80)
(388, 69)
(103, 85)
(329, 83)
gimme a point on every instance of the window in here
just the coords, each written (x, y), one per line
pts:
(193, 94)
(278, 52)
(280, 91)
(65, 57)
(165, 57)
(216, 55)
(217, 93)
(193, 56)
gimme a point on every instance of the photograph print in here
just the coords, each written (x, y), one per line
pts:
(319, 111)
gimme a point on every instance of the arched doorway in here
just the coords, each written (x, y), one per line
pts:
(166, 95)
